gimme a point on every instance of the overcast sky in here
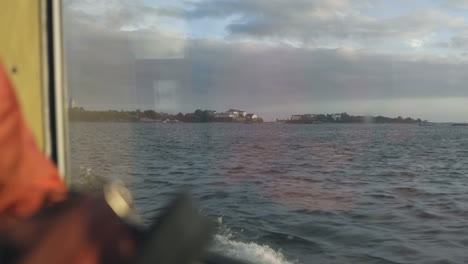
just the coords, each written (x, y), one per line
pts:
(271, 57)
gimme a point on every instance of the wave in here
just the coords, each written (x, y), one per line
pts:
(225, 244)
(87, 180)
(250, 252)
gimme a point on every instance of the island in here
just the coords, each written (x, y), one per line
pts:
(79, 114)
(346, 118)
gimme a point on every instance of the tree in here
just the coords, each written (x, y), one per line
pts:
(321, 118)
(188, 117)
(345, 118)
(151, 114)
(180, 117)
(202, 116)
(197, 116)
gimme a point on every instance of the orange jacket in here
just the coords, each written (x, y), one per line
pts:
(28, 180)
(76, 230)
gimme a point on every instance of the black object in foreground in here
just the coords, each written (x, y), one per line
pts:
(180, 236)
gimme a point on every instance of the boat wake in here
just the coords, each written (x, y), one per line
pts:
(225, 244)
(86, 180)
(250, 252)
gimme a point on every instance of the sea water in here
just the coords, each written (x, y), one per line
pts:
(280, 194)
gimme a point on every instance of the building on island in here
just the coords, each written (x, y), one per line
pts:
(302, 117)
(296, 117)
(336, 117)
(238, 116)
(71, 104)
(237, 113)
(252, 116)
(225, 115)
(315, 118)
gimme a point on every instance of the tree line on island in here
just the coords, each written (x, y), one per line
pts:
(346, 118)
(79, 114)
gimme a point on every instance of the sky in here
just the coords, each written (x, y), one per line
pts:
(274, 58)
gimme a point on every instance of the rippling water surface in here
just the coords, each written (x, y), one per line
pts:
(298, 193)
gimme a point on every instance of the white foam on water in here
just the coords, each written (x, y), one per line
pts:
(86, 179)
(250, 252)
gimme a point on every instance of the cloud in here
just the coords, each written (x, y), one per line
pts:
(306, 23)
(314, 20)
(456, 4)
(100, 58)
(458, 43)
(149, 66)
(222, 72)
(117, 14)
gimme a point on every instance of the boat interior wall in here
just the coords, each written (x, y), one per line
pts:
(22, 27)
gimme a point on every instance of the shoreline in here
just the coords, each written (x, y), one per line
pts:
(257, 123)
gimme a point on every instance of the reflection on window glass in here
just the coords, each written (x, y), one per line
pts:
(326, 131)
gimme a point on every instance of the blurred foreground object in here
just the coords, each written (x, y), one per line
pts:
(81, 229)
(40, 222)
(28, 180)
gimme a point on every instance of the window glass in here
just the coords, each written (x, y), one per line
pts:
(328, 131)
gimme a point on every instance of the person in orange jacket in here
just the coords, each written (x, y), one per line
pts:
(39, 221)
